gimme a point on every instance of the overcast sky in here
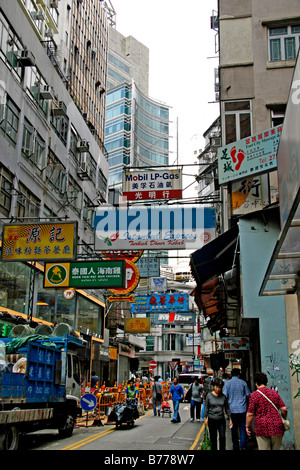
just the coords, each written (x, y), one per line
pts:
(182, 61)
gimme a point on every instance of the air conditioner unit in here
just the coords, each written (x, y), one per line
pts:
(59, 108)
(49, 33)
(38, 15)
(26, 58)
(46, 92)
(54, 4)
(83, 146)
(215, 141)
(85, 168)
(209, 157)
(101, 194)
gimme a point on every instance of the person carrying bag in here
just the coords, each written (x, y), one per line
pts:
(156, 396)
(264, 405)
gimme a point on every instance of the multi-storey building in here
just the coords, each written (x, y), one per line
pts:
(51, 165)
(258, 45)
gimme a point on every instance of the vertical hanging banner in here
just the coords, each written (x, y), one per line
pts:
(152, 184)
(41, 241)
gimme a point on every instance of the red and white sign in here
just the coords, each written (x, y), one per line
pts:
(152, 184)
(69, 294)
(132, 279)
(173, 364)
(152, 365)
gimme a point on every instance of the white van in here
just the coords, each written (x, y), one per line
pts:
(186, 379)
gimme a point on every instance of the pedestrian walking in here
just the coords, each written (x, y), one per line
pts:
(156, 396)
(94, 380)
(176, 392)
(216, 404)
(237, 392)
(196, 392)
(268, 425)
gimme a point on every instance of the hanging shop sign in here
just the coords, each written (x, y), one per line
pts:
(121, 298)
(253, 155)
(176, 302)
(132, 278)
(248, 195)
(148, 267)
(132, 255)
(175, 318)
(241, 343)
(158, 284)
(153, 227)
(86, 274)
(193, 340)
(152, 184)
(41, 241)
(137, 325)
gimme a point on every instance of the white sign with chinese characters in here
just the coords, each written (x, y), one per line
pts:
(152, 184)
(250, 156)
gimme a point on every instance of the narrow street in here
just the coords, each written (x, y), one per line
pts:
(150, 432)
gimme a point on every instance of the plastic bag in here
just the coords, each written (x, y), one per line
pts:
(206, 443)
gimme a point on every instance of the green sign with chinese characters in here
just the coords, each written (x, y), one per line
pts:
(86, 274)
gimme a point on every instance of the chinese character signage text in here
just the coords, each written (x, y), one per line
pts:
(86, 274)
(152, 184)
(252, 155)
(137, 325)
(177, 302)
(42, 241)
(235, 343)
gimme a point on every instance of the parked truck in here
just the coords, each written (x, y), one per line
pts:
(39, 386)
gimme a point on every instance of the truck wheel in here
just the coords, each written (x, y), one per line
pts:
(9, 438)
(67, 429)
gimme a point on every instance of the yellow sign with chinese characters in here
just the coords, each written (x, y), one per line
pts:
(40, 241)
(137, 325)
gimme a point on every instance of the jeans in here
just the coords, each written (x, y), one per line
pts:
(176, 416)
(158, 403)
(197, 405)
(217, 426)
(238, 423)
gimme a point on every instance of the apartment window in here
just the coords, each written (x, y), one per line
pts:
(61, 126)
(88, 211)
(5, 195)
(33, 146)
(28, 205)
(9, 118)
(56, 174)
(150, 343)
(284, 42)
(74, 194)
(237, 120)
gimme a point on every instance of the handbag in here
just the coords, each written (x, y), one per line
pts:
(188, 395)
(286, 422)
(206, 443)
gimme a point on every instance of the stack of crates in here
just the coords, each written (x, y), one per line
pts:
(44, 366)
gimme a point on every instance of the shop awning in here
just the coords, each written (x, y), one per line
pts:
(283, 272)
(216, 257)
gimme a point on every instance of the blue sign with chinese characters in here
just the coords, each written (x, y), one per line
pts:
(160, 303)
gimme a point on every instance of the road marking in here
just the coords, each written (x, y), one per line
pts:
(90, 439)
(197, 439)
(87, 440)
